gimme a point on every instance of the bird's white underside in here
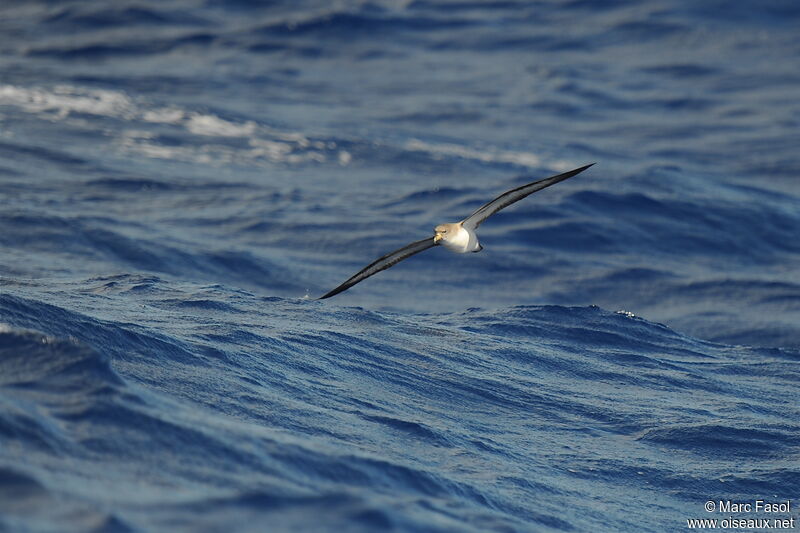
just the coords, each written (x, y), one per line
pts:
(462, 242)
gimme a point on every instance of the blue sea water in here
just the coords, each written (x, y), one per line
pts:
(179, 179)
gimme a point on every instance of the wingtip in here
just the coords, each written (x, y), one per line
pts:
(579, 169)
(571, 173)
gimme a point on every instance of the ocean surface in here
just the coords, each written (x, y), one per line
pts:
(179, 180)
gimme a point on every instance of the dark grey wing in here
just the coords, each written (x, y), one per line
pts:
(383, 263)
(515, 195)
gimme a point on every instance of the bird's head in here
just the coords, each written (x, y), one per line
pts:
(443, 231)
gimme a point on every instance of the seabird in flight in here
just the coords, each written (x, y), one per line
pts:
(457, 237)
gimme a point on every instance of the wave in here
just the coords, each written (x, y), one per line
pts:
(287, 405)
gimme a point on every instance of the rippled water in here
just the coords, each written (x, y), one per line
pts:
(178, 178)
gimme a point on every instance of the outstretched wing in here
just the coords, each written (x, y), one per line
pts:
(515, 195)
(383, 263)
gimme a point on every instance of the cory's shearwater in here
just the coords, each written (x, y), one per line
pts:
(457, 237)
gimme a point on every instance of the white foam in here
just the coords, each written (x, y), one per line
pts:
(166, 115)
(266, 143)
(64, 100)
(213, 125)
(525, 159)
(273, 150)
